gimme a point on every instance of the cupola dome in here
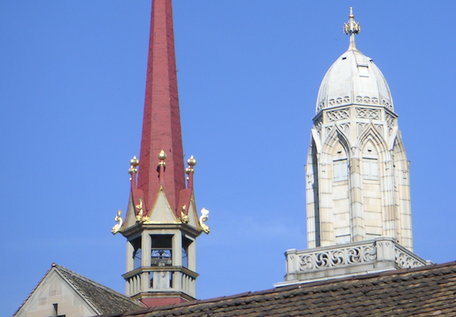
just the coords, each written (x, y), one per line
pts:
(353, 79)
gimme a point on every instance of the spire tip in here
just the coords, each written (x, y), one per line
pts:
(351, 28)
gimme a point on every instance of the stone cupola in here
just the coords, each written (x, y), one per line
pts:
(357, 171)
(357, 177)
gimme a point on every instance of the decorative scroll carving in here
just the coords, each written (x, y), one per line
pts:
(405, 260)
(337, 257)
(321, 105)
(367, 113)
(202, 220)
(374, 100)
(338, 114)
(119, 221)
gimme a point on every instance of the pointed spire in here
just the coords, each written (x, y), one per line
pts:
(351, 28)
(161, 123)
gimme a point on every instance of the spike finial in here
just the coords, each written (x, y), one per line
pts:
(351, 28)
(162, 157)
(133, 164)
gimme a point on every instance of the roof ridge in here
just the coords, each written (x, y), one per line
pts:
(336, 282)
(92, 282)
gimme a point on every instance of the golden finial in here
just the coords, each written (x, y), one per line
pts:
(191, 161)
(133, 162)
(351, 28)
(162, 157)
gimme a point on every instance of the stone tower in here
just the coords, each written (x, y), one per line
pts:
(161, 224)
(357, 177)
(357, 170)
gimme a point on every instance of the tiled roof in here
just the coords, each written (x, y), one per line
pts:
(104, 299)
(424, 291)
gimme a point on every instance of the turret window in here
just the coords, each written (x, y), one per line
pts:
(185, 244)
(161, 252)
(137, 252)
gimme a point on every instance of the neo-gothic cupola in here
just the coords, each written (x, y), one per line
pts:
(357, 177)
(353, 78)
(358, 187)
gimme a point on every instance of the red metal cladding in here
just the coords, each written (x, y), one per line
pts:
(161, 122)
(161, 301)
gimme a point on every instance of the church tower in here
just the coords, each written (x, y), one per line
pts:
(357, 171)
(161, 223)
(357, 177)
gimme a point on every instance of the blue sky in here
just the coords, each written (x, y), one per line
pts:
(72, 87)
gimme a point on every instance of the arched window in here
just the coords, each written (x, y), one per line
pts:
(340, 163)
(370, 162)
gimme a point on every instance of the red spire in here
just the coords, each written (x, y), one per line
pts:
(161, 123)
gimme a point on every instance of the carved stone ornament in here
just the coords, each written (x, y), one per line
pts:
(367, 113)
(337, 257)
(202, 220)
(119, 221)
(338, 114)
(140, 215)
(183, 217)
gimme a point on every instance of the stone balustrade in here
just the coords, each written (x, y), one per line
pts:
(380, 254)
(166, 279)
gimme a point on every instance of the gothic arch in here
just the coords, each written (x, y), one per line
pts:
(335, 136)
(386, 178)
(401, 169)
(372, 134)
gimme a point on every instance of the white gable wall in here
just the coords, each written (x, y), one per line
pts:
(54, 289)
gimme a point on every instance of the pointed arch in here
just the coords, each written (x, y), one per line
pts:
(384, 184)
(371, 133)
(333, 188)
(402, 192)
(336, 135)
